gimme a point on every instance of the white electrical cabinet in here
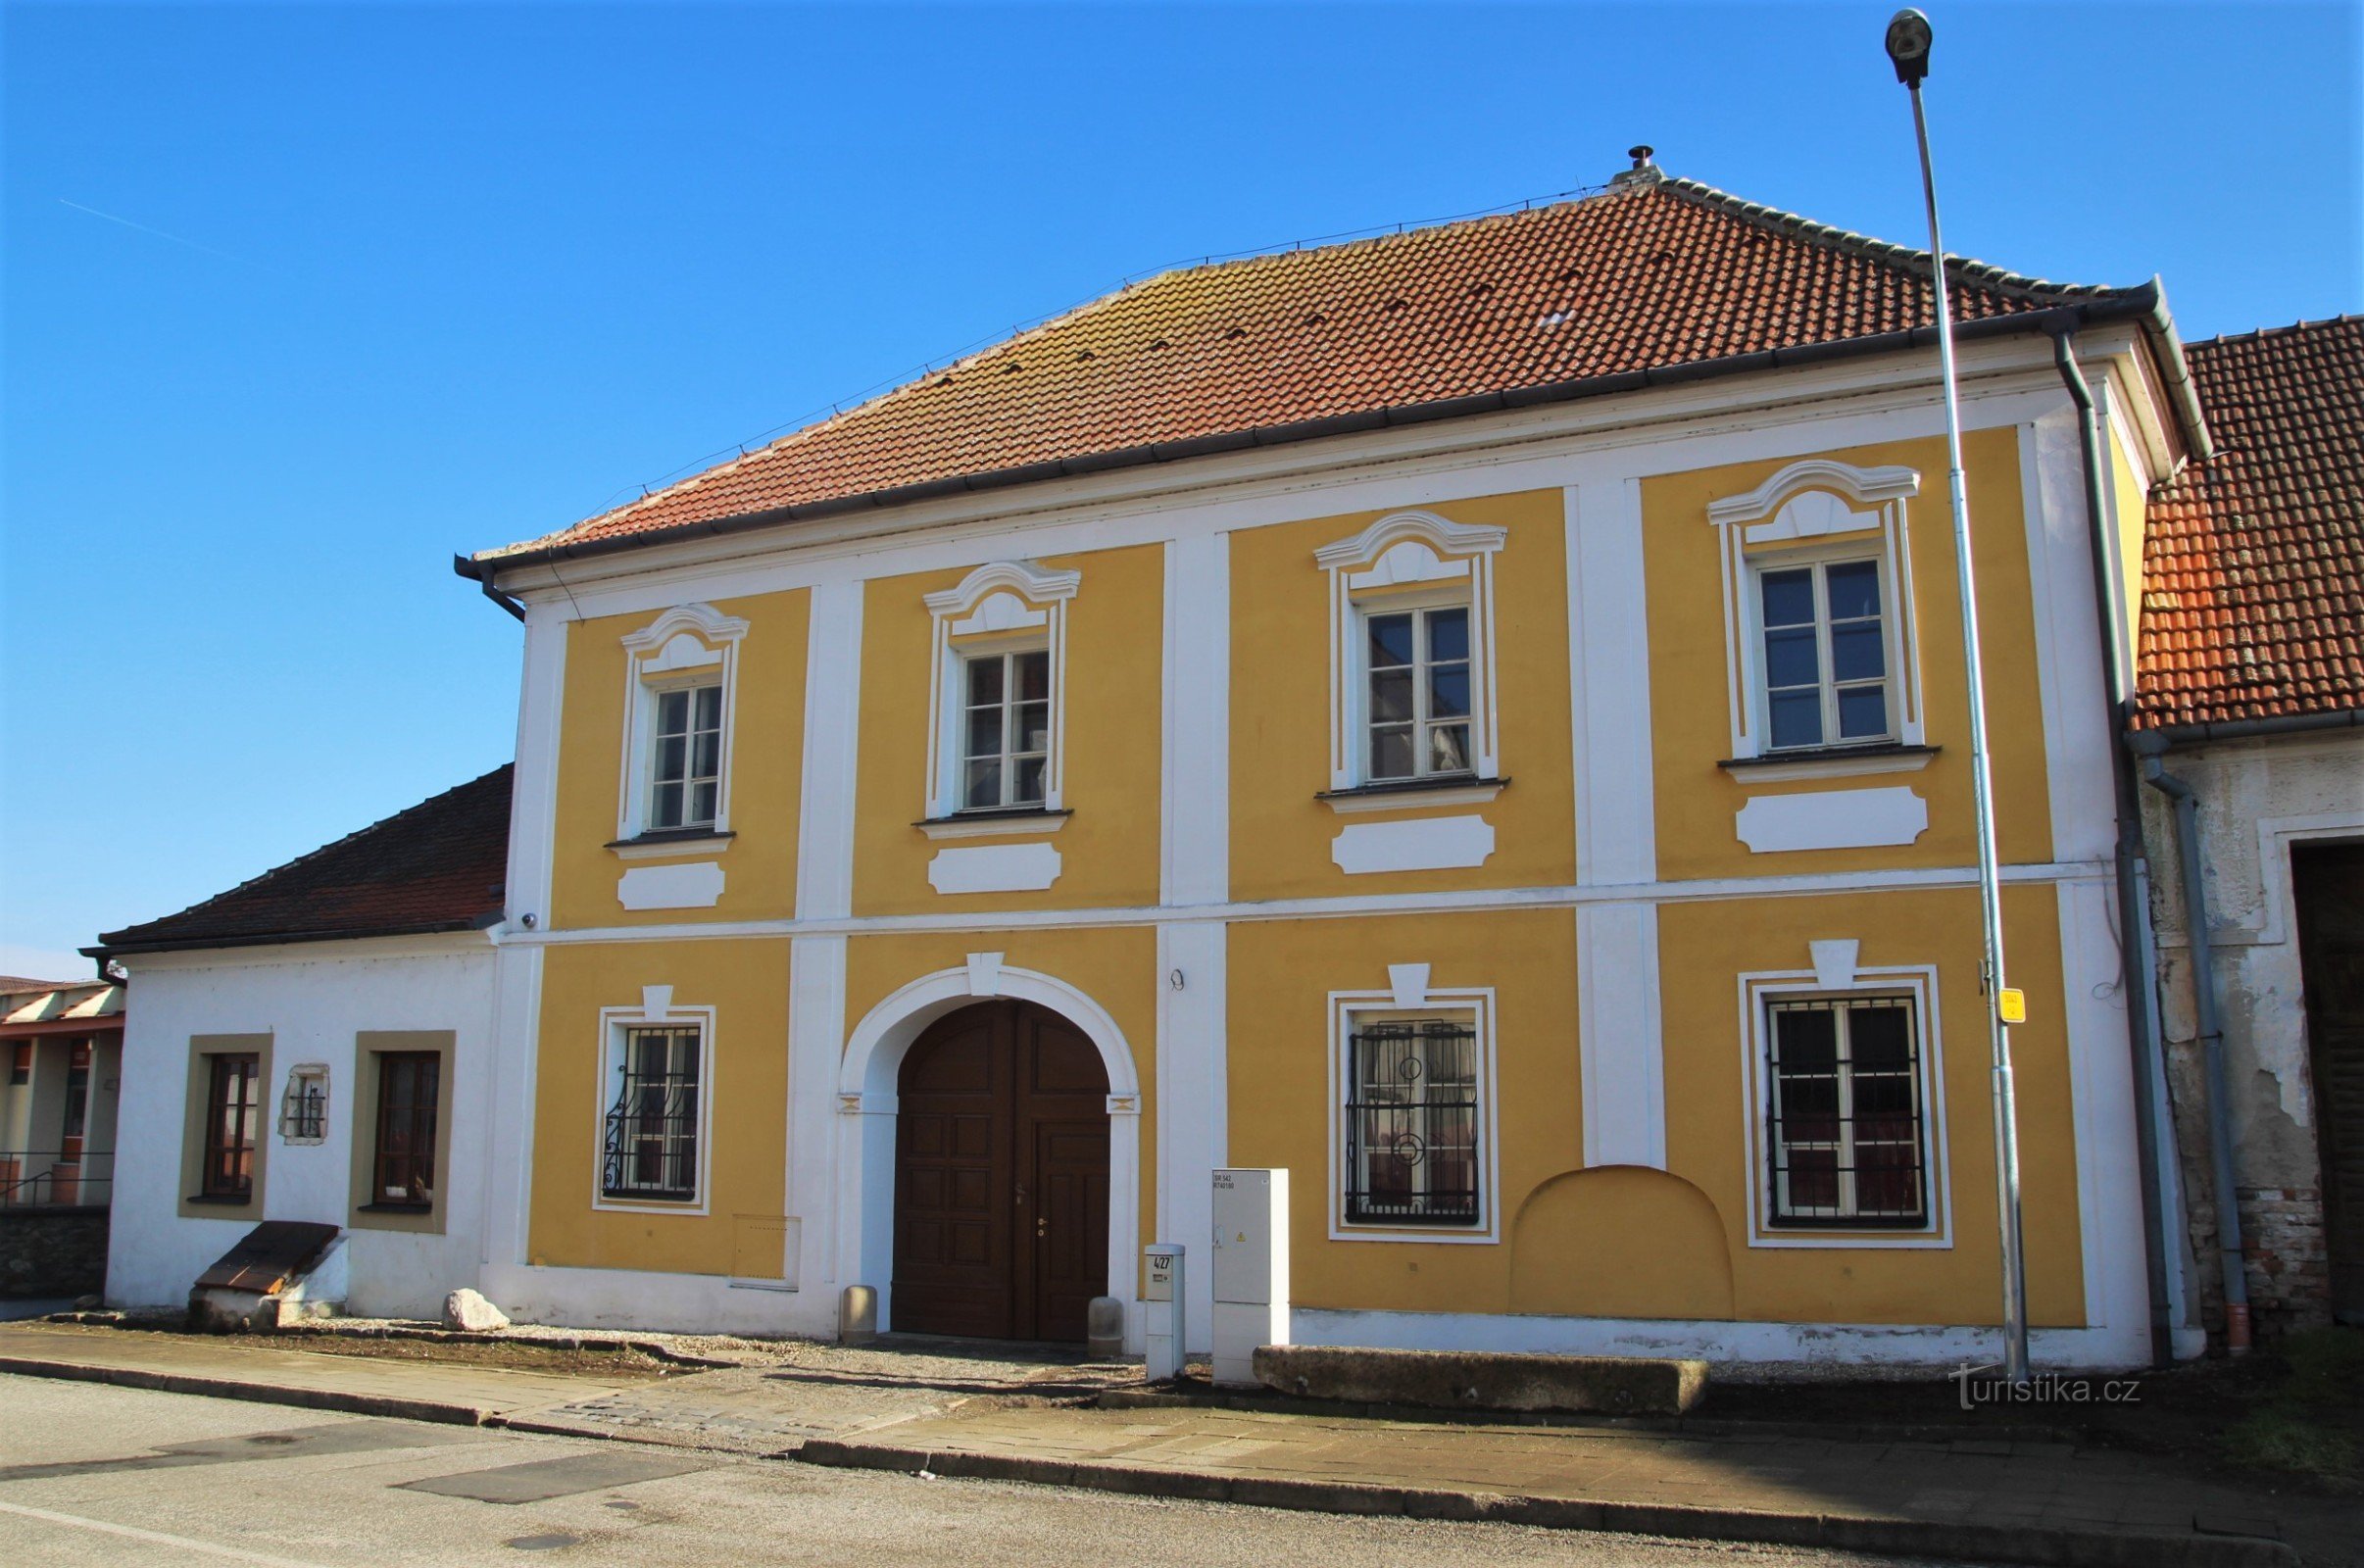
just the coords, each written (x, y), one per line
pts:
(1250, 1270)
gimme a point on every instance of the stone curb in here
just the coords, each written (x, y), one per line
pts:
(1265, 1403)
(2037, 1545)
(342, 1402)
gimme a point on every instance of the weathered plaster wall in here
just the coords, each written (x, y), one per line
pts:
(2256, 799)
(312, 998)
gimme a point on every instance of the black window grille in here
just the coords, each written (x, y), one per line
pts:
(306, 1111)
(652, 1149)
(1411, 1124)
(1844, 1113)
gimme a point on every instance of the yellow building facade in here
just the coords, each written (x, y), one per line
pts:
(1546, 835)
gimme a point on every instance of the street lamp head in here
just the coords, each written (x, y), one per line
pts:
(1908, 45)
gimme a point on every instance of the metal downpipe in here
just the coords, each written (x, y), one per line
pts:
(2212, 1047)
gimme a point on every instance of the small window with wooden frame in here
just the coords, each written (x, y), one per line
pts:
(682, 676)
(997, 701)
(1821, 648)
(223, 1148)
(402, 1129)
(1411, 658)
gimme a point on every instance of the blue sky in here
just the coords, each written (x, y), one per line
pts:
(299, 301)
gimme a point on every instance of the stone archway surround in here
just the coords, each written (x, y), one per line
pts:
(866, 1119)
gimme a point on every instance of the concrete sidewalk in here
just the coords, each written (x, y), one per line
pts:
(244, 1369)
(943, 1410)
(1983, 1499)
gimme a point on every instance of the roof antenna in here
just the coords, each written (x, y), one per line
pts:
(1643, 171)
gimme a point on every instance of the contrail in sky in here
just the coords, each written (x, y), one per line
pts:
(158, 233)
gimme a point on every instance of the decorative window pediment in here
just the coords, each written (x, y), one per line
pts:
(681, 692)
(1827, 543)
(997, 703)
(1411, 652)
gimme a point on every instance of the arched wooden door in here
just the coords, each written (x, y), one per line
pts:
(1001, 1177)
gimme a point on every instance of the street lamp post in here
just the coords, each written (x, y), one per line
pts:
(1908, 40)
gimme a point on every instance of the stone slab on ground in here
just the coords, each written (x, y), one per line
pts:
(1484, 1380)
(2030, 1503)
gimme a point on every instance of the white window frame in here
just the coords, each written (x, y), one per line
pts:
(1817, 510)
(656, 1010)
(1418, 606)
(1837, 976)
(1408, 561)
(1007, 657)
(1817, 562)
(1004, 606)
(1410, 997)
(687, 647)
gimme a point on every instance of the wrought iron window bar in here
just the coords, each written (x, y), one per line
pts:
(652, 1127)
(1844, 1117)
(1411, 1124)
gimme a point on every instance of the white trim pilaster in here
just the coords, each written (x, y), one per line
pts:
(824, 846)
(1618, 1035)
(1194, 809)
(816, 1037)
(1193, 1111)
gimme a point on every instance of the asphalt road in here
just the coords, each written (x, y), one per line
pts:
(96, 1474)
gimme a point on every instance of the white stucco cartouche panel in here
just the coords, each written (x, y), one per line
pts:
(313, 999)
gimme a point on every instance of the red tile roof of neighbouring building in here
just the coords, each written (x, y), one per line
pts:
(438, 866)
(2253, 561)
(1652, 278)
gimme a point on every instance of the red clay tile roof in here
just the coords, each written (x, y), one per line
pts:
(438, 866)
(1649, 276)
(2254, 561)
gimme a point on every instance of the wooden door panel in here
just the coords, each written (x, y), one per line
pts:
(1071, 1249)
(1001, 1177)
(2328, 884)
(953, 1176)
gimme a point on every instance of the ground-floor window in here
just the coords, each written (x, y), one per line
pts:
(653, 1120)
(410, 1092)
(233, 1097)
(1843, 1116)
(1412, 1122)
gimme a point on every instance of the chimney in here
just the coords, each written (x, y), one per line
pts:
(1643, 171)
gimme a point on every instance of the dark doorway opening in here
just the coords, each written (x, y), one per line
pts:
(1001, 1177)
(2328, 881)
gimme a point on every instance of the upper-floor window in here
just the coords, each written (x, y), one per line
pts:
(997, 707)
(1418, 711)
(681, 685)
(1005, 729)
(1825, 641)
(685, 785)
(1821, 651)
(1411, 656)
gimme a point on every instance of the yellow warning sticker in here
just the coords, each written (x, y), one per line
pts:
(2014, 1005)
